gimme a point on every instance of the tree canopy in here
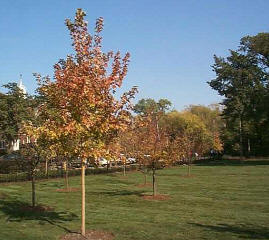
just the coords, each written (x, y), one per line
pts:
(15, 108)
(243, 80)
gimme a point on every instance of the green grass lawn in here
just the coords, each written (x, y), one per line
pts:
(218, 202)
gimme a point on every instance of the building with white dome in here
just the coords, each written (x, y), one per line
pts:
(21, 86)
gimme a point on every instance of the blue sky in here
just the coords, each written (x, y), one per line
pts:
(172, 42)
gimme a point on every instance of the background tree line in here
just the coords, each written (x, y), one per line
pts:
(241, 122)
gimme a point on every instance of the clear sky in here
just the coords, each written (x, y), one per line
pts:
(172, 42)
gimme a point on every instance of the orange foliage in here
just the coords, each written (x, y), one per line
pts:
(83, 93)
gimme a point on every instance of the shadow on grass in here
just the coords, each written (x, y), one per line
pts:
(50, 184)
(171, 175)
(118, 193)
(118, 180)
(233, 163)
(18, 211)
(242, 230)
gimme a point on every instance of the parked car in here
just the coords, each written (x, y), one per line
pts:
(131, 160)
(11, 156)
(102, 162)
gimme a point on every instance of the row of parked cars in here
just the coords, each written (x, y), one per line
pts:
(101, 162)
(14, 158)
(104, 162)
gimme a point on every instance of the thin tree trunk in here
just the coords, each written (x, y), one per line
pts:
(124, 168)
(83, 197)
(33, 189)
(145, 177)
(107, 165)
(155, 148)
(154, 181)
(46, 169)
(66, 177)
(248, 147)
(125, 158)
(241, 139)
(189, 168)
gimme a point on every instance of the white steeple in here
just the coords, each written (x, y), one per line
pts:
(21, 86)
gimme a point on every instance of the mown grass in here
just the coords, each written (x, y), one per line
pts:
(220, 201)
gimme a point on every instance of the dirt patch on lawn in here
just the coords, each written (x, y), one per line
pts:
(90, 235)
(187, 176)
(123, 177)
(67, 190)
(161, 197)
(3, 195)
(38, 208)
(144, 185)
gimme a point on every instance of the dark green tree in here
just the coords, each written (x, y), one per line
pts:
(15, 107)
(149, 105)
(242, 79)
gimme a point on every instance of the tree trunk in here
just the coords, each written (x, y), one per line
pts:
(33, 189)
(124, 169)
(145, 177)
(241, 139)
(83, 197)
(46, 169)
(189, 168)
(154, 181)
(107, 165)
(249, 147)
(66, 177)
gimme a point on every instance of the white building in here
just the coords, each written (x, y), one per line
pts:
(21, 86)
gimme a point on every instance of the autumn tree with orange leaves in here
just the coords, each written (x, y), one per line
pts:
(151, 146)
(82, 97)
